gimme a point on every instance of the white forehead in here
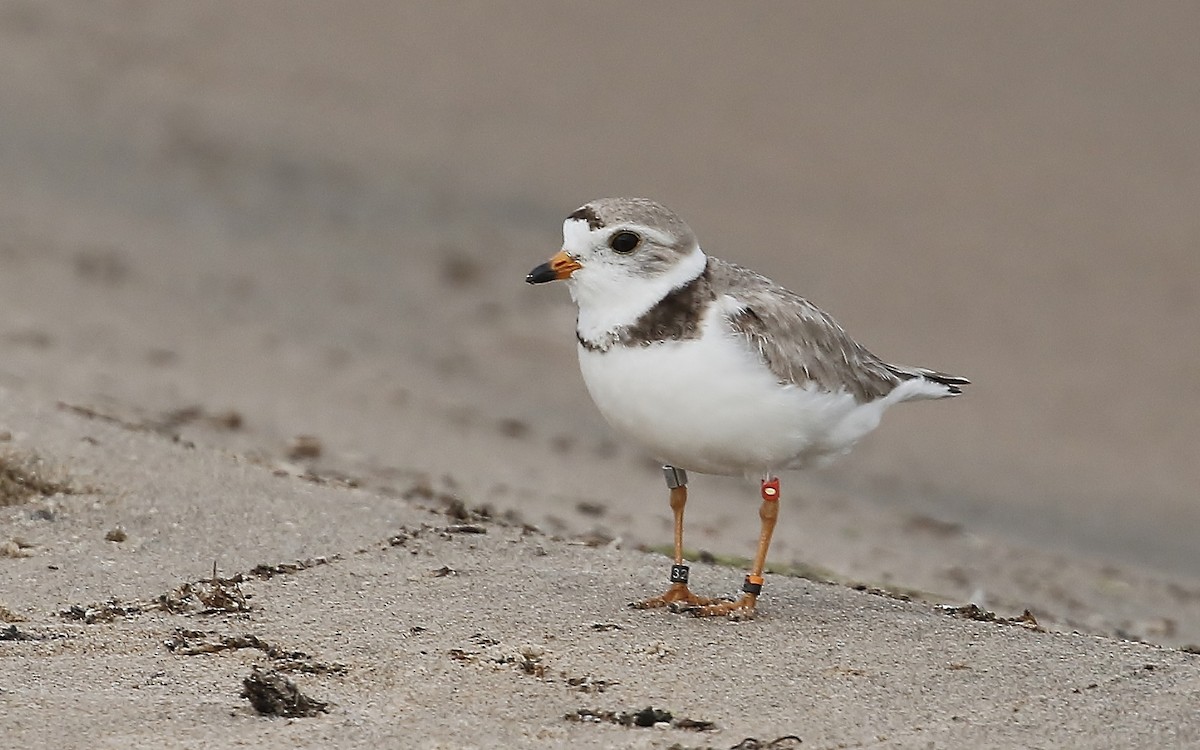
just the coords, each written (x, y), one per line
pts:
(577, 234)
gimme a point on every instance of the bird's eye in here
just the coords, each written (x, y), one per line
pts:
(624, 242)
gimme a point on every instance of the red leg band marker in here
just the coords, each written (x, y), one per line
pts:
(770, 489)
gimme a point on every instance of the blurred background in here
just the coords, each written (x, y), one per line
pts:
(319, 216)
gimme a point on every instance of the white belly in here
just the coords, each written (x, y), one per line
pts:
(708, 405)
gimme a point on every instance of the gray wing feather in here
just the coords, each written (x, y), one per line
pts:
(803, 345)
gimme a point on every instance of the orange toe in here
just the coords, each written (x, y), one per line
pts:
(678, 597)
(742, 609)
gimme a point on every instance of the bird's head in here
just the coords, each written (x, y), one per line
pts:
(616, 248)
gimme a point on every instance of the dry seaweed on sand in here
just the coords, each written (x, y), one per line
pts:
(214, 595)
(185, 642)
(753, 743)
(207, 596)
(974, 612)
(265, 571)
(647, 717)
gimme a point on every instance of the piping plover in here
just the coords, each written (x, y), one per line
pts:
(714, 368)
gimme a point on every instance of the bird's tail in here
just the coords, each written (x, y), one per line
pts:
(936, 384)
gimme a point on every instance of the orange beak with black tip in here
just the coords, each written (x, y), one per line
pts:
(560, 267)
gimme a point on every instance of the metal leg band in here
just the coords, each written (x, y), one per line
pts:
(675, 477)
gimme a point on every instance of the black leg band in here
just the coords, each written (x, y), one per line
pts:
(752, 587)
(679, 574)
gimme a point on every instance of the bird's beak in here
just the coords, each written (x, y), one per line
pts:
(560, 267)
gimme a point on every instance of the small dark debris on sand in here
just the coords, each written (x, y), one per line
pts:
(527, 659)
(11, 633)
(104, 265)
(587, 508)
(402, 537)
(90, 413)
(470, 518)
(589, 684)
(899, 596)
(171, 422)
(513, 428)
(933, 526)
(304, 448)
(448, 501)
(696, 725)
(975, 612)
(108, 611)
(273, 693)
(265, 571)
(779, 743)
(647, 717)
(423, 489)
(168, 424)
(458, 510)
(324, 478)
(1137, 672)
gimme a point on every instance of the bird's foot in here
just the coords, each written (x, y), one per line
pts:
(679, 598)
(741, 609)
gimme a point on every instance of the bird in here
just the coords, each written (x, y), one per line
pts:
(713, 368)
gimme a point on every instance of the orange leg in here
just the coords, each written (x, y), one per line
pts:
(678, 596)
(768, 513)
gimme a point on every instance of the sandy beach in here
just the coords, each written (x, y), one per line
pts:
(276, 405)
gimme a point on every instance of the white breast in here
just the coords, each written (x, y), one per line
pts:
(709, 405)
